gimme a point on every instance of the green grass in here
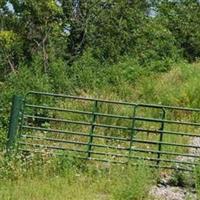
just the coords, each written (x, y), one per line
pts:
(50, 189)
(47, 178)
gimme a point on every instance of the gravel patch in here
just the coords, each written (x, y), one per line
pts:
(171, 193)
(166, 191)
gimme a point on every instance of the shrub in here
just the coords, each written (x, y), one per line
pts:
(86, 72)
(155, 47)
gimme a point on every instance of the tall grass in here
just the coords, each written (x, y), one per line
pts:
(42, 177)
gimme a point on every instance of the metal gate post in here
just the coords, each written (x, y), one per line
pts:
(14, 120)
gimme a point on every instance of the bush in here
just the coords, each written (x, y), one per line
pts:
(127, 70)
(155, 47)
(26, 79)
(86, 72)
(33, 78)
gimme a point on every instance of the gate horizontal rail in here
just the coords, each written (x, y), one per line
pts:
(110, 131)
(118, 116)
(135, 140)
(112, 102)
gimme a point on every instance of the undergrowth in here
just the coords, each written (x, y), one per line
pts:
(49, 177)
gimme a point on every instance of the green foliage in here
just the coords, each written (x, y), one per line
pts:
(58, 76)
(127, 70)
(27, 78)
(109, 30)
(134, 184)
(182, 19)
(21, 165)
(155, 47)
(86, 72)
(179, 87)
(182, 179)
(113, 32)
(33, 77)
(3, 139)
(100, 74)
(61, 176)
(10, 52)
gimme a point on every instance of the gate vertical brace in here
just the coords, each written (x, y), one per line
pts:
(92, 128)
(14, 120)
(161, 137)
(132, 132)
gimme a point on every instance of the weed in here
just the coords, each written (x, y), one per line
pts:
(134, 183)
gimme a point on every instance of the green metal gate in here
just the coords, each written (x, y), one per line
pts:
(110, 131)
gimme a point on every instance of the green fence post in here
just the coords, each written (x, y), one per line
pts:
(14, 120)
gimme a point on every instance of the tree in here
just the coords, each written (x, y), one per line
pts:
(37, 23)
(182, 18)
(10, 51)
